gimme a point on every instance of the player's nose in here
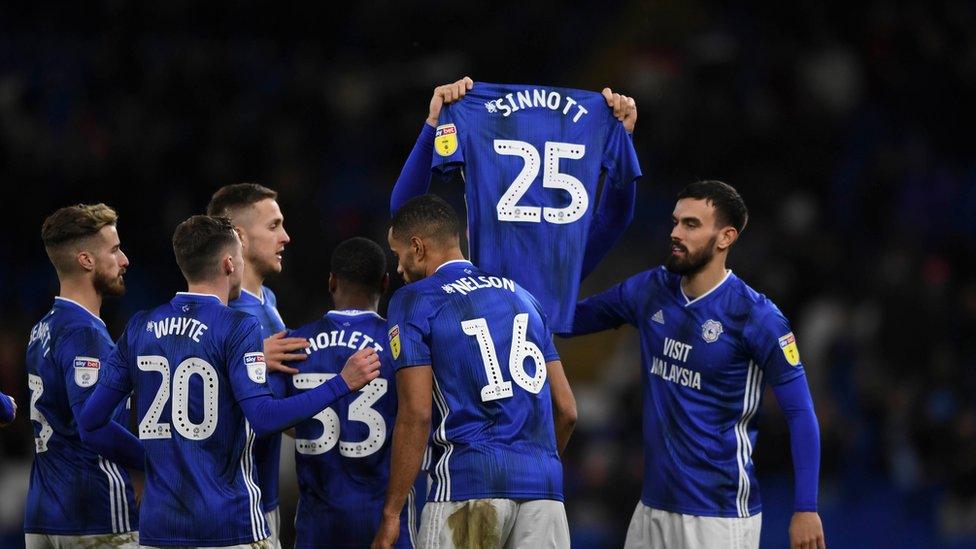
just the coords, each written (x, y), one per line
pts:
(123, 259)
(285, 239)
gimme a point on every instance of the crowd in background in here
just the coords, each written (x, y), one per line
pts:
(846, 129)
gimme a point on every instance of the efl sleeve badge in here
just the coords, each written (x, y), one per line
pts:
(788, 344)
(395, 341)
(86, 370)
(445, 140)
(256, 367)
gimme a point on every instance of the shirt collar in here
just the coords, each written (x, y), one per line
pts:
(689, 301)
(80, 306)
(352, 312)
(193, 296)
(446, 263)
(255, 296)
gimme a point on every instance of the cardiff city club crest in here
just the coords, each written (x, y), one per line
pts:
(445, 140)
(790, 351)
(711, 329)
(395, 341)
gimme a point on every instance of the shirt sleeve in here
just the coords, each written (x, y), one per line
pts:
(449, 138)
(80, 354)
(409, 330)
(246, 367)
(116, 372)
(613, 215)
(6, 409)
(773, 345)
(620, 156)
(414, 178)
(609, 309)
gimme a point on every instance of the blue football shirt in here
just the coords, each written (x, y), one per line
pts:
(487, 343)
(73, 490)
(191, 361)
(705, 362)
(532, 158)
(343, 453)
(267, 449)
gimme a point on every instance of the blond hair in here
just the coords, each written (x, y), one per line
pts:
(64, 229)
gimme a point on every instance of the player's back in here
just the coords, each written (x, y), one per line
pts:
(487, 343)
(200, 480)
(532, 159)
(72, 489)
(343, 453)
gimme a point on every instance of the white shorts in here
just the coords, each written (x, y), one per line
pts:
(263, 544)
(273, 518)
(654, 528)
(494, 524)
(128, 540)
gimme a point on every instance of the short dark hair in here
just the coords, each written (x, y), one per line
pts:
(730, 209)
(361, 262)
(426, 215)
(198, 242)
(71, 224)
(230, 198)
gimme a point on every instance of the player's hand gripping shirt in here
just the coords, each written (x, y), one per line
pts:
(487, 343)
(267, 449)
(343, 453)
(192, 361)
(73, 490)
(532, 158)
(705, 362)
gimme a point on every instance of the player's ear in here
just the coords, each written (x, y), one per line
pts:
(332, 283)
(86, 260)
(240, 234)
(727, 237)
(228, 265)
(419, 247)
(384, 283)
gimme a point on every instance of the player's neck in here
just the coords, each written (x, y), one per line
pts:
(358, 301)
(252, 281)
(704, 280)
(83, 293)
(436, 259)
(220, 289)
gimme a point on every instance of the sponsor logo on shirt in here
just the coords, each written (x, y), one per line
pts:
(395, 341)
(788, 344)
(445, 139)
(256, 367)
(86, 370)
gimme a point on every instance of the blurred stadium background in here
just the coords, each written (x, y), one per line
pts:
(846, 126)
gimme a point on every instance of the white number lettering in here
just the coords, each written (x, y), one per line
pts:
(522, 349)
(359, 410)
(36, 386)
(151, 428)
(508, 209)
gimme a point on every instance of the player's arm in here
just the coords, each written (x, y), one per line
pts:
(613, 215)
(606, 310)
(806, 529)
(776, 351)
(8, 409)
(268, 415)
(94, 411)
(414, 178)
(563, 403)
(414, 394)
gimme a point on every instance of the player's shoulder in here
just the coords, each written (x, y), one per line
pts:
(747, 300)
(310, 329)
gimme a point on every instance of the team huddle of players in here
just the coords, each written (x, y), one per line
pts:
(439, 427)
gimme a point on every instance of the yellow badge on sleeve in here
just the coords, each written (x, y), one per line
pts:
(445, 140)
(395, 341)
(788, 344)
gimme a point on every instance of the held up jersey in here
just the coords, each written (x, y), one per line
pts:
(532, 158)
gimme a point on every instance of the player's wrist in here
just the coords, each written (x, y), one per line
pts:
(431, 121)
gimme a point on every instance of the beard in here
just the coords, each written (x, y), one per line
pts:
(691, 263)
(110, 285)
